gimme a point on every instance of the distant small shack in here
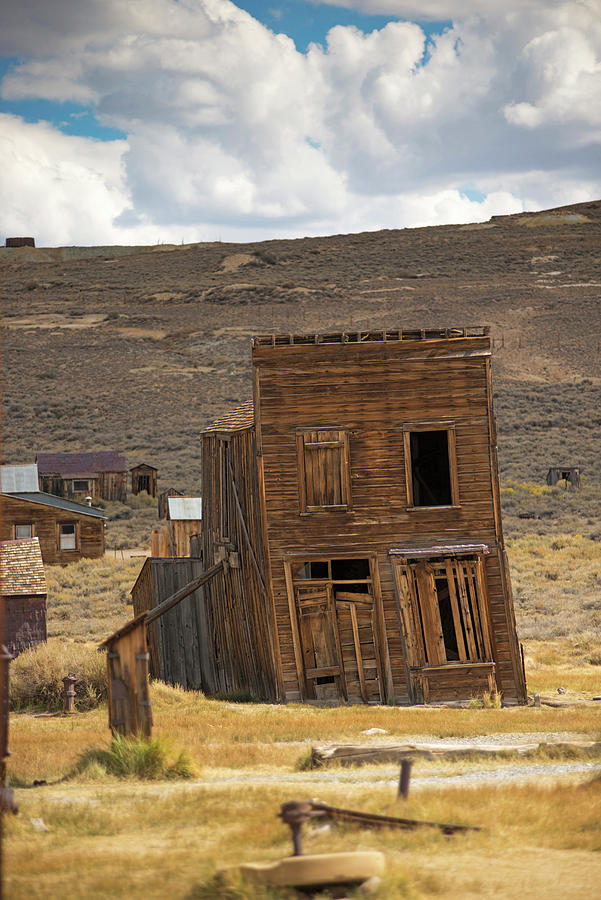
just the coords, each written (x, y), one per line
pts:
(569, 474)
(184, 523)
(23, 590)
(20, 242)
(144, 478)
(101, 474)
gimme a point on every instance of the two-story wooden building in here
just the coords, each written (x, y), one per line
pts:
(356, 501)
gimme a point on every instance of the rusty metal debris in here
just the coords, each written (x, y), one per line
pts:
(295, 814)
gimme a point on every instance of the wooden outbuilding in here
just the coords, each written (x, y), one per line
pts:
(184, 520)
(354, 509)
(23, 590)
(164, 497)
(20, 242)
(101, 474)
(570, 475)
(67, 531)
(127, 673)
(144, 478)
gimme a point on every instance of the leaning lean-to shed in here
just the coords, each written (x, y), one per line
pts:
(358, 500)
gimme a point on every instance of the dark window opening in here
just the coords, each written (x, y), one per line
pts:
(144, 483)
(81, 487)
(318, 569)
(360, 588)
(346, 569)
(431, 478)
(224, 490)
(325, 679)
(446, 619)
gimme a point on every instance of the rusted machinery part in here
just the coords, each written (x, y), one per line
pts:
(371, 820)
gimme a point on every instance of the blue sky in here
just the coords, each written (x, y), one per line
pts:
(132, 121)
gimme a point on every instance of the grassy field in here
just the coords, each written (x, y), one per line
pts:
(88, 834)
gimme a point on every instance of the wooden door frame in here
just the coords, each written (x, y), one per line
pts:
(380, 641)
(410, 609)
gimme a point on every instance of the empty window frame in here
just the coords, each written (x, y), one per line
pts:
(23, 530)
(444, 611)
(67, 536)
(323, 470)
(81, 486)
(225, 490)
(430, 465)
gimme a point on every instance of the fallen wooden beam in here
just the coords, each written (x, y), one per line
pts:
(349, 755)
(182, 593)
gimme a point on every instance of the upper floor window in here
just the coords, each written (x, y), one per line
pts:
(430, 465)
(323, 470)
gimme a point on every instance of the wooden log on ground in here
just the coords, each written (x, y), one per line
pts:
(353, 755)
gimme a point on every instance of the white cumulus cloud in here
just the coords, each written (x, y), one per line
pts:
(232, 133)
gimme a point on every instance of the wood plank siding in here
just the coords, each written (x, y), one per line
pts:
(355, 506)
(232, 531)
(370, 392)
(46, 522)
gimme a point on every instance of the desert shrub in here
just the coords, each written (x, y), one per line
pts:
(36, 676)
(138, 757)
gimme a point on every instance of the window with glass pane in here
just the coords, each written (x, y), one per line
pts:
(67, 537)
(23, 531)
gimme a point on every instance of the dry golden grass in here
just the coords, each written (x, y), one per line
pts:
(238, 735)
(133, 840)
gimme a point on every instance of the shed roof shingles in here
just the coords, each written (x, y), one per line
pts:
(73, 465)
(237, 419)
(21, 568)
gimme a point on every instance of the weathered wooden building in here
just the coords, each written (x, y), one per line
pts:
(67, 530)
(184, 521)
(570, 475)
(23, 591)
(144, 478)
(359, 495)
(102, 474)
(163, 500)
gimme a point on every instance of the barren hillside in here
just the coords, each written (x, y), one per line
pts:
(139, 348)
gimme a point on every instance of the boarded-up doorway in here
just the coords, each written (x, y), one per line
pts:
(335, 609)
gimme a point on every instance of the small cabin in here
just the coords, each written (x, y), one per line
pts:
(184, 522)
(101, 474)
(67, 531)
(570, 475)
(144, 478)
(23, 590)
(20, 242)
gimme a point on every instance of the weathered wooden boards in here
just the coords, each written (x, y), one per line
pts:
(356, 755)
(127, 665)
(46, 520)
(309, 489)
(332, 407)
